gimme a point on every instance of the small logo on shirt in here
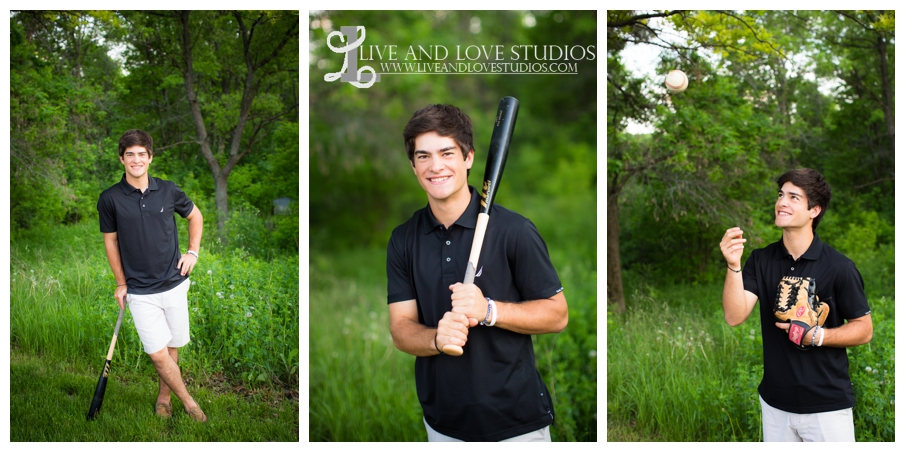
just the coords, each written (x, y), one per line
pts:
(161, 210)
(479, 272)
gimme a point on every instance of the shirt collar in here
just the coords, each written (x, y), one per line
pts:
(468, 219)
(128, 188)
(812, 254)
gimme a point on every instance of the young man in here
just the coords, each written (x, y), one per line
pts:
(806, 393)
(142, 245)
(493, 391)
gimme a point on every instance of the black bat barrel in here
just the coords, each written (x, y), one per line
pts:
(99, 393)
(503, 127)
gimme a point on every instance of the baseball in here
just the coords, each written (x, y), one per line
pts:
(676, 81)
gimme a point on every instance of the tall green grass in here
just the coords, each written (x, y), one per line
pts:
(49, 399)
(677, 372)
(362, 388)
(244, 312)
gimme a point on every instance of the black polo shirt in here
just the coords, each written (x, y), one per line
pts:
(814, 380)
(146, 230)
(493, 391)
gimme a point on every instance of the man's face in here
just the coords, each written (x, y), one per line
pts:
(440, 166)
(792, 208)
(136, 161)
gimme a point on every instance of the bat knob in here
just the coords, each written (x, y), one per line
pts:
(452, 350)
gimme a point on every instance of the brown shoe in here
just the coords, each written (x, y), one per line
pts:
(197, 414)
(163, 410)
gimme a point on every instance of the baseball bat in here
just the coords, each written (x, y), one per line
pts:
(503, 127)
(102, 380)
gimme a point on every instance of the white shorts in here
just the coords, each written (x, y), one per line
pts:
(781, 425)
(537, 436)
(162, 319)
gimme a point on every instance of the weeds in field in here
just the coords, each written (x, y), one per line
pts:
(363, 389)
(677, 372)
(244, 311)
(242, 363)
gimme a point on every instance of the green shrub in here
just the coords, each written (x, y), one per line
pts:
(678, 372)
(363, 388)
(244, 311)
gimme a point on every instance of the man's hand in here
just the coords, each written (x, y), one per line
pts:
(120, 294)
(806, 340)
(186, 264)
(853, 333)
(732, 245)
(453, 329)
(468, 299)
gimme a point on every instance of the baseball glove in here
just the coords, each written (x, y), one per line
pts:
(797, 303)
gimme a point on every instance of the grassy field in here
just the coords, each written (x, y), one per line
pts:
(677, 372)
(241, 365)
(363, 389)
(49, 400)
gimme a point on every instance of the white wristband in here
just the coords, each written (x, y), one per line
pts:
(819, 344)
(192, 253)
(493, 315)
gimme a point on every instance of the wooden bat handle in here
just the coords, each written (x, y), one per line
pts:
(119, 321)
(476, 245)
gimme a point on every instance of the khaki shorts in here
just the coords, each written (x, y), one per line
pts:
(537, 436)
(162, 319)
(781, 425)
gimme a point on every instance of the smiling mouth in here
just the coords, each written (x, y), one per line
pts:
(437, 180)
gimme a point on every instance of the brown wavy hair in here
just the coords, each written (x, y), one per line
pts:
(136, 137)
(815, 187)
(446, 121)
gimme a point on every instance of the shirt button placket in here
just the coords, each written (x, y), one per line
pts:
(448, 242)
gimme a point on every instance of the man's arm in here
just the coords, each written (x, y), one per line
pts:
(545, 315)
(196, 227)
(853, 333)
(111, 246)
(414, 338)
(737, 302)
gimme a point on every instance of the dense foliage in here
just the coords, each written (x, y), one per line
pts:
(360, 179)
(218, 92)
(80, 79)
(362, 186)
(769, 91)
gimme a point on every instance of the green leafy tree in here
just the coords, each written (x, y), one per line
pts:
(710, 143)
(237, 75)
(63, 88)
(857, 49)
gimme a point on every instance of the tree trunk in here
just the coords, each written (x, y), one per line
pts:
(886, 81)
(220, 174)
(614, 293)
(222, 201)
